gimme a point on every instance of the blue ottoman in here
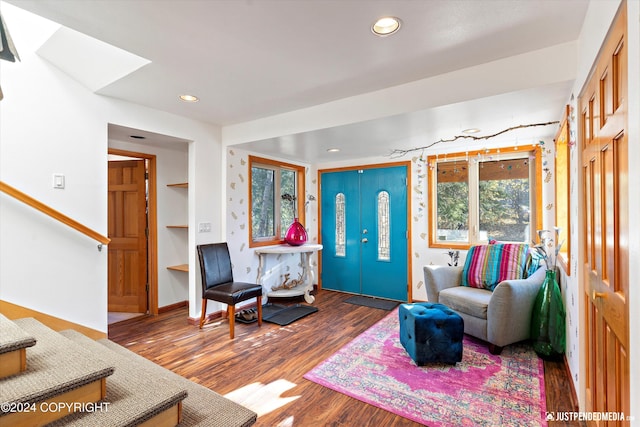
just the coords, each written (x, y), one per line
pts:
(431, 332)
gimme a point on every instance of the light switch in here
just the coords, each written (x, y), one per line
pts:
(58, 180)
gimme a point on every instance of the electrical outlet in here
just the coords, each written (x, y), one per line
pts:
(204, 227)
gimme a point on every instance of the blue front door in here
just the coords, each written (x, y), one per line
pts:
(364, 232)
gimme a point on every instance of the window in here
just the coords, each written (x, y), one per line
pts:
(563, 187)
(384, 227)
(341, 226)
(478, 196)
(275, 189)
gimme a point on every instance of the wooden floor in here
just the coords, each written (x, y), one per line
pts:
(271, 360)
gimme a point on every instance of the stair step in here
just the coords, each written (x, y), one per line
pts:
(135, 394)
(202, 407)
(58, 373)
(14, 342)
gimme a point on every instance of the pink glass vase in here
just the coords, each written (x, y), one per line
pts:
(296, 234)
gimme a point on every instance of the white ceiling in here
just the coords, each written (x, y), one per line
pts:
(252, 61)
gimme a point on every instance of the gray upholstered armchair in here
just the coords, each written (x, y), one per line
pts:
(501, 317)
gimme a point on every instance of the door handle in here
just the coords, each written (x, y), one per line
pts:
(599, 294)
(364, 240)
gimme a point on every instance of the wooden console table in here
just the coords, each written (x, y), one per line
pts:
(305, 252)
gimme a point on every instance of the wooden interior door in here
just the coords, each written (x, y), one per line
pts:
(604, 144)
(128, 233)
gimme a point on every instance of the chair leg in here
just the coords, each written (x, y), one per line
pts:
(495, 349)
(231, 313)
(204, 311)
(259, 303)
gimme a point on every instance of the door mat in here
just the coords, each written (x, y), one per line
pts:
(283, 315)
(383, 304)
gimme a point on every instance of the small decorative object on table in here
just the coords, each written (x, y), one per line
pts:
(549, 315)
(296, 234)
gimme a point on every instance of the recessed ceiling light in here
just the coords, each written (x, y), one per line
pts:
(189, 98)
(386, 26)
(471, 130)
(333, 150)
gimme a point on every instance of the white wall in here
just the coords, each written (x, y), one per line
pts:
(51, 124)
(172, 209)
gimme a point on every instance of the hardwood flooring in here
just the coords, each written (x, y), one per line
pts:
(266, 364)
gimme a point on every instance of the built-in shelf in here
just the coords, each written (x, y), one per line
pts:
(181, 267)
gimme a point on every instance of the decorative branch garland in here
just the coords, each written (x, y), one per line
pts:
(400, 152)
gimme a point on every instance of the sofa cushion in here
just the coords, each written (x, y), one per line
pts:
(471, 301)
(488, 265)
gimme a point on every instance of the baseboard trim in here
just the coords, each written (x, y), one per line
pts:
(574, 396)
(14, 311)
(209, 317)
(172, 307)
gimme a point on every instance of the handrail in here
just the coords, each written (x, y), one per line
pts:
(25, 198)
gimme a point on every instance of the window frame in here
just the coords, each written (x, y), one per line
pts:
(562, 168)
(255, 161)
(505, 153)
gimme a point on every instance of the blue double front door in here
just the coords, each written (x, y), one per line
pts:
(365, 232)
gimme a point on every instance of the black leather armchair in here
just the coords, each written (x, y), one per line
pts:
(218, 284)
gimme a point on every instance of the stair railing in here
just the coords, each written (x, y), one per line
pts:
(25, 198)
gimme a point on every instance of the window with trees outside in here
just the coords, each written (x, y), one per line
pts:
(475, 197)
(275, 189)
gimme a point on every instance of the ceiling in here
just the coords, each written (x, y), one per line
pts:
(316, 66)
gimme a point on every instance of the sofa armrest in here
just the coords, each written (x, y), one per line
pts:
(510, 308)
(440, 277)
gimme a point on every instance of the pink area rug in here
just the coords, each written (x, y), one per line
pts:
(482, 390)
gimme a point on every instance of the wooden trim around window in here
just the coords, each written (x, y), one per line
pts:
(563, 195)
(431, 187)
(301, 196)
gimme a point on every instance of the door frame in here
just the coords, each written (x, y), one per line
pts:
(406, 164)
(152, 238)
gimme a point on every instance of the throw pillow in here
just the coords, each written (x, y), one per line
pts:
(488, 265)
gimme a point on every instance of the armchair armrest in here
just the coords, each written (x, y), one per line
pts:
(510, 307)
(440, 277)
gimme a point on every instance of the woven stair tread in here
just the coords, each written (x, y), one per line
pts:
(134, 393)
(13, 337)
(202, 407)
(54, 366)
